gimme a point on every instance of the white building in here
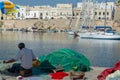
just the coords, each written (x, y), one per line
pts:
(31, 14)
(64, 10)
(45, 12)
(104, 10)
(98, 10)
(94, 11)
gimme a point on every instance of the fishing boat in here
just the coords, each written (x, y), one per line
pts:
(105, 34)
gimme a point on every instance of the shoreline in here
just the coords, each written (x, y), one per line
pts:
(55, 24)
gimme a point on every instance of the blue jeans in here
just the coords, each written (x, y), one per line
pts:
(15, 68)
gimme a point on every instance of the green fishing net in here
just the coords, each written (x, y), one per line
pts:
(69, 59)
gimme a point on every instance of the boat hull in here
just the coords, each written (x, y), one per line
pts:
(99, 36)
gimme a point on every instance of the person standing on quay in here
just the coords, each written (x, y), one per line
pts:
(26, 57)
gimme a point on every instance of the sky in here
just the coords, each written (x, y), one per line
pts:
(49, 2)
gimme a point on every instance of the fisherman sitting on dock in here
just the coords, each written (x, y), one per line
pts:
(26, 57)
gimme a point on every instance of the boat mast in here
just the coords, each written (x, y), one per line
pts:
(70, 23)
(105, 12)
(93, 20)
(78, 18)
(81, 13)
(85, 13)
(86, 9)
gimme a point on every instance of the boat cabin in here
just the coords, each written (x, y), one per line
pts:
(107, 29)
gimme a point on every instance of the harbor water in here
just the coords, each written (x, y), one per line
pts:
(101, 53)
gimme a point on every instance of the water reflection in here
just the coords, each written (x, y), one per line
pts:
(99, 52)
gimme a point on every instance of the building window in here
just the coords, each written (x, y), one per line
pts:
(95, 13)
(77, 14)
(99, 17)
(107, 13)
(41, 14)
(46, 14)
(99, 13)
(18, 14)
(34, 14)
(22, 16)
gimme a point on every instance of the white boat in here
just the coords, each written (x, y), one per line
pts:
(97, 35)
(32, 29)
(106, 35)
(70, 32)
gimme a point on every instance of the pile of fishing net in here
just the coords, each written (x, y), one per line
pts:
(69, 59)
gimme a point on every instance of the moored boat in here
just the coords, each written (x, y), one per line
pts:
(103, 36)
